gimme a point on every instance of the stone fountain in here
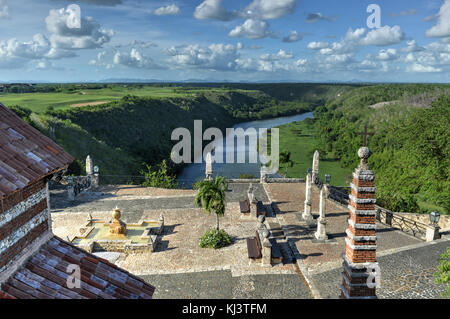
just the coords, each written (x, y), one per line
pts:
(119, 236)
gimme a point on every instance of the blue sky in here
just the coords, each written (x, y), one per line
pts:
(251, 40)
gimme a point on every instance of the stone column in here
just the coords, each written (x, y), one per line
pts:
(315, 165)
(361, 271)
(89, 166)
(307, 216)
(321, 233)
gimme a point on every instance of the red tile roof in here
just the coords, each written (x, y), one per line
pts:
(26, 155)
(45, 276)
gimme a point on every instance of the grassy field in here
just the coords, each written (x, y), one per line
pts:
(38, 102)
(298, 138)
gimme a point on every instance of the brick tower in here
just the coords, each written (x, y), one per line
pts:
(361, 271)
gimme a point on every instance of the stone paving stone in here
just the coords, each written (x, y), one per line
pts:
(222, 285)
(404, 275)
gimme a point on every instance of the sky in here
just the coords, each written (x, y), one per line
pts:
(225, 40)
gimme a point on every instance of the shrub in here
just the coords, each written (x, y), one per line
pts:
(158, 177)
(214, 238)
(442, 276)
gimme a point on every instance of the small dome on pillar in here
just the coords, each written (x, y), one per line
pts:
(364, 153)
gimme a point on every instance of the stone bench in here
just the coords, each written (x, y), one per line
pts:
(254, 247)
(244, 205)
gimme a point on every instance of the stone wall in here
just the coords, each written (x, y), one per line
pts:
(24, 217)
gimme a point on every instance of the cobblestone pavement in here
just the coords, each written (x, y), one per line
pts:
(222, 285)
(407, 274)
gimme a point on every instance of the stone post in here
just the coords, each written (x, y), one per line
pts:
(70, 193)
(321, 233)
(263, 174)
(89, 166)
(95, 180)
(432, 233)
(307, 216)
(315, 165)
(361, 271)
(266, 249)
(252, 199)
(160, 224)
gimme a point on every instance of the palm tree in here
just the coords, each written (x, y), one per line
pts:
(285, 158)
(211, 196)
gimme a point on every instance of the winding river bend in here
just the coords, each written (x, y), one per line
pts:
(196, 171)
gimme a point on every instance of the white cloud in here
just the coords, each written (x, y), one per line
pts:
(281, 55)
(134, 59)
(142, 44)
(269, 9)
(313, 17)
(212, 9)
(219, 56)
(384, 36)
(412, 47)
(90, 35)
(252, 29)
(172, 9)
(34, 49)
(416, 67)
(409, 12)
(4, 10)
(294, 36)
(339, 58)
(442, 28)
(317, 45)
(387, 55)
(19, 53)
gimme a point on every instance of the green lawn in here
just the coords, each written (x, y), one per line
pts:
(37, 102)
(297, 137)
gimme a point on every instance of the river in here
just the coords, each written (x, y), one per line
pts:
(196, 171)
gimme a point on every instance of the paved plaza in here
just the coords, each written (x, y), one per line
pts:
(179, 268)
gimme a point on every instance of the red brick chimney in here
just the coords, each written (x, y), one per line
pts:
(361, 271)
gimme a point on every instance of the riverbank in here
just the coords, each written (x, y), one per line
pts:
(299, 139)
(196, 171)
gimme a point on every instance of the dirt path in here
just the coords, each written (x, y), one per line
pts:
(89, 103)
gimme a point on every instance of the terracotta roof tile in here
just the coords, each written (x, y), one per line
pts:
(29, 154)
(45, 275)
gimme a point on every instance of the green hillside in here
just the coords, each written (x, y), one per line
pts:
(410, 143)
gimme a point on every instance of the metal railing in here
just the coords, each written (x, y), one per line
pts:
(412, 227)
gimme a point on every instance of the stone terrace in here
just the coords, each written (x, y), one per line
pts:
(179, 268)
(178, 252)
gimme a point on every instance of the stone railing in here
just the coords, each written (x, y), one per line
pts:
(267, 180)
